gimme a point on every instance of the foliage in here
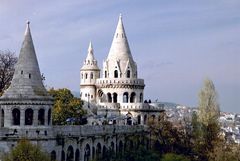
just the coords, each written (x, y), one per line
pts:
(7, 62)
(167, 138)
(205, 126)
(66, 106)
(25, 151)
(208, 105)
(174, 157)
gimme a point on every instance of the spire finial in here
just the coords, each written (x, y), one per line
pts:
(120, 16)
(90, 48)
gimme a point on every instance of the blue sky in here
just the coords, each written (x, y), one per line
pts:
(176, 44)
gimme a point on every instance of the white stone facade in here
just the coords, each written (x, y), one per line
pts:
(119, 91)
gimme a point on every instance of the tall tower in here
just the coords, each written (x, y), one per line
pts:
(89, 73)
(120, 89)
(26, 103)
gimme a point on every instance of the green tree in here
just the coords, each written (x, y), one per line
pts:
(7, 61)
(25, 151)
(66, 106)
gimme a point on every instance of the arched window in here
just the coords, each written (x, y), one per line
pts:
(16, 116)
(63, 156)
(99, 151)
(133, 97)
(93, 152)
(105, 74)
(87, 153)
(91, 76)
(29, 116)
(49, 116)
(53, 155)
(125, 97)
(120, 148)
(41, 116)
(141, 97)
(109, 96)
(145, 119)
(115, 74)
(128, 73)
(2, 118)
(139, 119)
(104, 153)
(86, 75)
(70, 153)
(112, 147)
(77, 155)
(115, 97)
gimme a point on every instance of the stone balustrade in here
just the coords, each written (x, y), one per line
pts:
(119, 81)
(91, 130)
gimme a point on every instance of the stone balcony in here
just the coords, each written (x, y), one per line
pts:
(115, 82)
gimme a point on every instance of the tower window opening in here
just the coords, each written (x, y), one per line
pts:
(115, 97)
(133, 97)
(109, 96)
(91, 76)
(105, 74)
(2, 118)
(29, 76)
(28, 116)
(128, 73)
(125, 97)
(86, 75)
(22, 72)
(115, 74)
(41, 115)
(141, 97)
(16, 116)
(117, 35)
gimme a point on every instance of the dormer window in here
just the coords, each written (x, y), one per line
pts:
(115, 74)
(128, 73)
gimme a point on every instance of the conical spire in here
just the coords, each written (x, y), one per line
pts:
(90, 61)
(120, 48)
(90, 55)
(27, 79)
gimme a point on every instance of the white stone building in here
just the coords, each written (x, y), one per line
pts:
(26, 107)
(119, 92)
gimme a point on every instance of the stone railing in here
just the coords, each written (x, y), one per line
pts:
(120, 81)
(93, 130)
(141, 106)
(114, 106)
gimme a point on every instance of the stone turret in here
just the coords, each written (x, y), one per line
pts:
(89, 73)
(26, 102)
(120, 63)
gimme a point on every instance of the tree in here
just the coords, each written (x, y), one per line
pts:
(25, 151)
(7, 62)
(66, 106)
(206, 128)
(208, 106)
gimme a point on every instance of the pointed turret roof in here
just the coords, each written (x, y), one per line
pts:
(90, 62)
(27, 80)
(120, 47)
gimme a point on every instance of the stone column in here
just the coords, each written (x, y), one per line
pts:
(35, 117)
(7, 117)
(46, 117)
(22, 116)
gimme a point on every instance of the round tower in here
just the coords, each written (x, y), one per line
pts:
(26, 103)
(89, 73)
